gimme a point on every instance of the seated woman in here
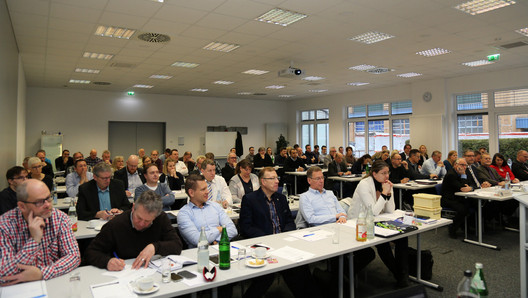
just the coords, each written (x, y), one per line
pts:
(269, 151)
(262, 159)
(146, 161)
(375, 190)
(151, 175)
(243, 182)
(502, 168)
(170, 176)
(359, 166)
(35, 172)
(118, 163)
(423, 155)
(449, 163)
(349, 157)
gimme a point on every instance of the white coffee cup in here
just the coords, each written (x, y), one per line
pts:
(260, 252)
(93, 223)
(145, 283)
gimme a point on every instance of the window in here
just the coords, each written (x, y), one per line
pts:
(388, 124)
(511, 98)
(476, 101)
(314, 127)
(513, 134)
(471, 124)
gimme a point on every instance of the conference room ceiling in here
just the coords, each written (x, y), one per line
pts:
(53, 35)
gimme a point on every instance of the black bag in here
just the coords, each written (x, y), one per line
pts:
(427, 263)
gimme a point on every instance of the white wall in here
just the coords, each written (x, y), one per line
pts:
(83, 116)
(8, 93)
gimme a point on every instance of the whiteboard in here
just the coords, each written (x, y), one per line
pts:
(220, 142)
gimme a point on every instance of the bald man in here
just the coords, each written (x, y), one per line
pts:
(520, 166)
(131, 175)
(92, 160)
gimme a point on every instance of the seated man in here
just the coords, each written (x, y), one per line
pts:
(77, 178)
(338, 167)
(36, 240)
(412, 162)
(154, 156)
(180, 166)
(47, 168)
(101, 197)
(187, 160)
(218, 191)
(520, 166)
(310, 155)
(486, 173)
(398, 169)
(64, 161)
(200, 212)
(139, 233)
(197, 167)
(161, 189)
(211, 156)
(131, 175)
(228, 171)
(295, 164)
(329, 157)
(92, 159)
(266, 212)
(434, 165)
(8, 199)
(77, 156)
(281, 158)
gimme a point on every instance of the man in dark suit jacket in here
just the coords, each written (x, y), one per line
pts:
(520, 167)
(131, 175)
(266, 212)
(228, 171)
(412, 162)
(406, 154)
(295, 164)
(338, 167)
(101, 191)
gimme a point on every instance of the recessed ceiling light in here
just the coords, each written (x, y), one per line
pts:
(275, 87)
(255, 72)
(117, 32)
(160, 1)
(357, 84)
(433, 52)
(477, 63)
(142, 86)
(223, 82)
(480, 6)
(318, 90)
(286, 95)
(313, 78)
(362, 67)
(409, 75)
(523, 31)
(281, 17)
(199, 90)
(97, 56)
(87, 70)
(371, 37)
(185, 64)
(221, 47)
(163, 77)
(244, 93)
(79, 81)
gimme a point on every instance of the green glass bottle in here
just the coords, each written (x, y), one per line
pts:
(478, 284)
(225, 250)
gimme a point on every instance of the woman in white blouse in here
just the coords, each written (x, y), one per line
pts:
(243, 182)
(375, 190)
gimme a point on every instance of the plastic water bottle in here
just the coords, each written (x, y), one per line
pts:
(509, 162)
(54, 192)
(285, 190)
(370, 223)
(72, 214)
(507, 181)
(225, 250)
(478, 284)
(464, 286)
(361, 227)
(203, 251)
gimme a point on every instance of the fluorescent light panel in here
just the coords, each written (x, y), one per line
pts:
(275, 87)
(117, 32)
(199, 90)
(356, 84)
(371, 37)
(362, 67)
(87, 70)
(244, 93)
(318, 90)
(280, 17)
(433, 52)
(481, 6)
(409, 75)
(97, 56)
(313, 78)
(221, 47)
(477, 63)
(255, 72)
(163, 77)
(79, 81)
(185, 64)
(523, 31)
(286, 95)
(142, 86)
(223, 82)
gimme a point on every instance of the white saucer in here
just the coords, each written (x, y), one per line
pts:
(250, 264)
(137, 290)
(98, 228)
(267, 255)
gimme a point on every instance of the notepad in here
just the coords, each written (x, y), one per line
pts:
(23, 290)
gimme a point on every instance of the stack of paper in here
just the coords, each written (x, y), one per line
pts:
(177, 262)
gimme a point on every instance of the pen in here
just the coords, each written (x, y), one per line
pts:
(232, 246)
(309, 235)
(106, 284)
(115, 255)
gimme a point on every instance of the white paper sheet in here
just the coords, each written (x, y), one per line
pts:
(312, 235)
(292, 254)
(23, 290)
(113, 289)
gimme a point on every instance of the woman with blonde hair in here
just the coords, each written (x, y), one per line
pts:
(170, 176)
(423, 155)
(118, 163)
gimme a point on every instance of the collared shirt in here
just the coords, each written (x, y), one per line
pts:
(133, 181)
(219, 190)
(92, 162)
(275, 221)
(104, 198)
(319, 208)
(56, 254)
(192, 218)
(72, 183)
(431, 167)
(182, 168)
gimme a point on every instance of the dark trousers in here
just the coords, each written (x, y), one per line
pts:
(460, 206)
(398, 263)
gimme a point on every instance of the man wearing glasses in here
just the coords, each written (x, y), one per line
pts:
(228, 171)
(101, 197)
(36, 240)
(8, 199)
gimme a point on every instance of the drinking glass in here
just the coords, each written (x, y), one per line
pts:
(335, 237)
(241, 258)
(165, 270)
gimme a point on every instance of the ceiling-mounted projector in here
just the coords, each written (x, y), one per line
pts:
(290, 72)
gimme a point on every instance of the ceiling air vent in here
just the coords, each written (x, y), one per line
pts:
(122, 65)
(153, 37)
(379, 70)
(102, 83)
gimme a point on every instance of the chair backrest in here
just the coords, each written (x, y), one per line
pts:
(438, 189)
(300, 222)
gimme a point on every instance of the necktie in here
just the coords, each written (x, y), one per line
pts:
(210, 191)
(492, 175)
(473, 175)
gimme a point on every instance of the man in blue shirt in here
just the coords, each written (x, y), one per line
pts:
(434, 166)
(77, 178)
(200, 212)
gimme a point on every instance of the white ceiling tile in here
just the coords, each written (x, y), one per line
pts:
(180, 14)
(109, 18)
(141, 8)
(38, 7)
(218, 21)
(74, 13)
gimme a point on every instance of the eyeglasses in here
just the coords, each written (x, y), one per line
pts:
(39, 203)
(20, 178)
(463, 165)
(103, 178)
(317, 178)
(271, 178)
(36, 167)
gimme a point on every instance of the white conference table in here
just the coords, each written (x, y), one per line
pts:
(483, 194)
(301, 173)
(413, 185)
(321, 250)
(343, 179)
